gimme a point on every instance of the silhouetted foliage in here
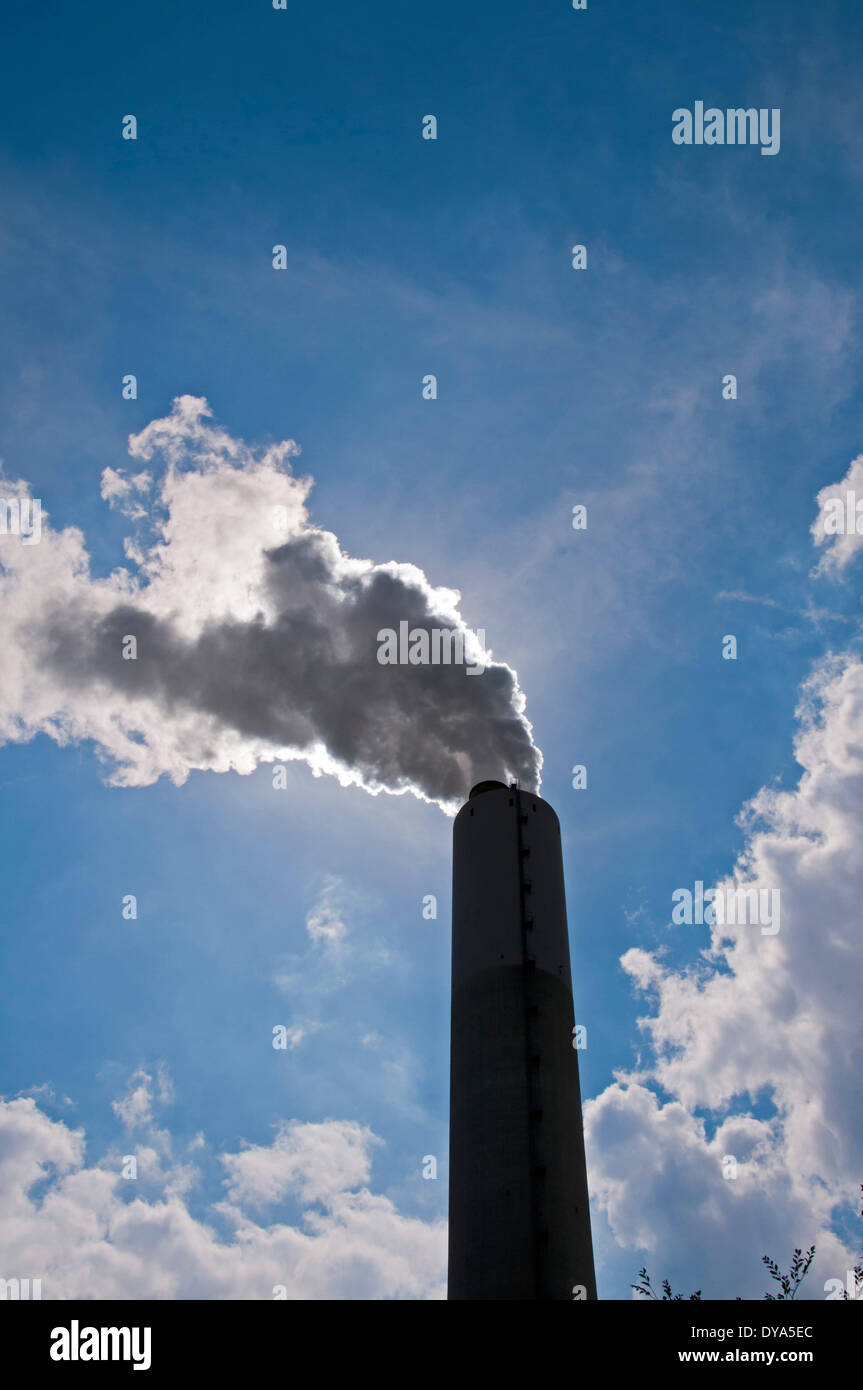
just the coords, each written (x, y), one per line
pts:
(789, 1283)
(645, 1287)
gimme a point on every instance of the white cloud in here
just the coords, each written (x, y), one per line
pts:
(81, 1237)
(316, 1160)
(118, 491)
(336, 954)
(135, 1109)
(759, 1016)
(297, 1031)
(325, 921)
(841, 545)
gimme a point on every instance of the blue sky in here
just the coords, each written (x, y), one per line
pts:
(405, 257)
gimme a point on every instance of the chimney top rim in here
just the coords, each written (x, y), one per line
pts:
(488, 786)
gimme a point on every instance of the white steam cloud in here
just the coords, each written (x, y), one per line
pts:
(256, 637)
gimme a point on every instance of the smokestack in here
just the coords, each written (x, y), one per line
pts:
(519, 1221)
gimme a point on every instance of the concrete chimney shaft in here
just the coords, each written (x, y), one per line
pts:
(519, 1223)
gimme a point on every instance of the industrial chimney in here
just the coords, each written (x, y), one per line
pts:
(519, 1222)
